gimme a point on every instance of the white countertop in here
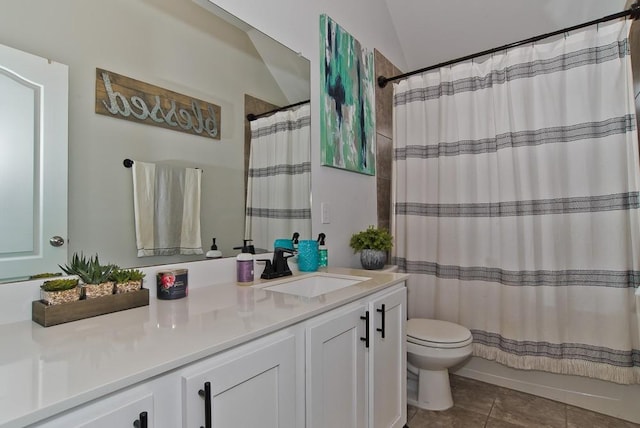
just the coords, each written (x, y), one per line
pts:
(44, 371)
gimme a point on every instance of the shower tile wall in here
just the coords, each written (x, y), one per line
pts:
(384, 139)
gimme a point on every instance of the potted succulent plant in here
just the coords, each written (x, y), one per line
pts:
(57, 291)
(373, 244)
(94, 275)
(127, 280)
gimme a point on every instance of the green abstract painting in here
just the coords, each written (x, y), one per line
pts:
(347, 109)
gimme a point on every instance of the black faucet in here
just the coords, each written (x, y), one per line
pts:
(279, 266)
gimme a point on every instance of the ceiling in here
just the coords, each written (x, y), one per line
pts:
(434, 31)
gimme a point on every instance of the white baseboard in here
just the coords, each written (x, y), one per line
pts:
(620, 401)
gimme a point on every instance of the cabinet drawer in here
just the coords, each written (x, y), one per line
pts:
(119, 410)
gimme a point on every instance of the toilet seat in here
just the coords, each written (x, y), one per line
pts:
(437, 334)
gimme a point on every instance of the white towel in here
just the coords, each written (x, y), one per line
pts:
(166, 203)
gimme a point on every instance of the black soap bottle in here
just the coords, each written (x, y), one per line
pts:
(294, 241)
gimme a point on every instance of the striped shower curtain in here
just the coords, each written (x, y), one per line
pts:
(516, 205)
(279, 186)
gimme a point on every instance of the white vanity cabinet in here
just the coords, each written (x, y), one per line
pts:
(355, 376)
(251, 386)
(345, 367)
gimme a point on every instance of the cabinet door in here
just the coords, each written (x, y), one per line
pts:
(388, 364)
(336, 369)
(119, 411)
(252, 386)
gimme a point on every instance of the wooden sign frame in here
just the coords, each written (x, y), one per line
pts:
(129, 99)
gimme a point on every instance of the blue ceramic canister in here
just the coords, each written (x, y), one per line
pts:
(308, 255)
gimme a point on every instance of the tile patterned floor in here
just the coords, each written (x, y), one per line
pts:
(479, 404)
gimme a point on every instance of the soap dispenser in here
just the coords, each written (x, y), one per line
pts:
(245, 263)
(323, 253)
(294, 240)
(214, 253)
(246, 248)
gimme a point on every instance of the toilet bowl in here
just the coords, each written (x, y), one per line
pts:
(433, 347)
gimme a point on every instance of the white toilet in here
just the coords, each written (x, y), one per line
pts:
(432, 347)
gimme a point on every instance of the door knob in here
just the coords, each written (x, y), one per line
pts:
(56, 241)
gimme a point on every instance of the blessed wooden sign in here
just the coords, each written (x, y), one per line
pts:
(130, 99)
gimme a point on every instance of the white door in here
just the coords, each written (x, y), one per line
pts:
(253, 386)
(336, 370)
(388, 363)
(33, 164)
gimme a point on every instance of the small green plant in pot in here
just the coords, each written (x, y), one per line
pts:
(94, 275)
(57, 291)
(127, 280)
(373, 245)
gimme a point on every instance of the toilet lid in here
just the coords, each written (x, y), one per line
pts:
(434, 332)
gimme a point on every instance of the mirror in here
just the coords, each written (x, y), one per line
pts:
(172, 44)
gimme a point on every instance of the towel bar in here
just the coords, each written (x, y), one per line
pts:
(128, 163)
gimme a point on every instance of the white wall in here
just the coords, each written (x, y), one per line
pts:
(173, 44)
(351, 197)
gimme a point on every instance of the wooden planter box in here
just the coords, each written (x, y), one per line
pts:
(48, 315)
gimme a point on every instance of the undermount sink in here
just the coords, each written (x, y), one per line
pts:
(314, 284)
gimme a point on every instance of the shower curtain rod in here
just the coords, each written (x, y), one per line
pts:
(251, 117)
(633, 12)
